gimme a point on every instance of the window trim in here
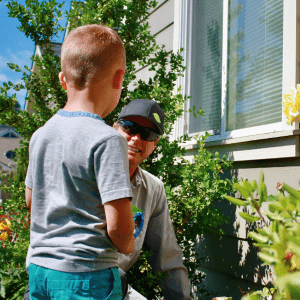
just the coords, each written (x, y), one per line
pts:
(182, 39)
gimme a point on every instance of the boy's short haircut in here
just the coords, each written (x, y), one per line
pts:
(89, 49)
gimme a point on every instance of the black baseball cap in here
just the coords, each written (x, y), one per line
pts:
(147, 109)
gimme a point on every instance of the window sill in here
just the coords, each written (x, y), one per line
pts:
(280, 144)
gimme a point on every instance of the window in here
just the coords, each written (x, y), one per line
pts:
(235, 65)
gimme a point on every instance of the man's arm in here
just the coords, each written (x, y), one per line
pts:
(28, 196)
(120, 224)
(167, 257)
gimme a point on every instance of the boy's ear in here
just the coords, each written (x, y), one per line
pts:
(62, 80)
(118, 79)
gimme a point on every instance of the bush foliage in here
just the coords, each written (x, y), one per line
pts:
(278, 239)
(191, 186)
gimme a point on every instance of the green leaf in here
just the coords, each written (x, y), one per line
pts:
(290, 282)
(262, 231)
(295, 248)
(271, 198)
(251, 297)
(295, 195)
(267, 258)
(275, 206)
(249, 218)
(235, 201)
(261, 179)
(254, 185)
(244, 192)
(263, 247)
(273, 216)
(246, 185)
(258, 237)
(135, 209)
(262, 194)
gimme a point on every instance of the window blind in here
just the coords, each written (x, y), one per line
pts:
(254, 67)
(206, 64)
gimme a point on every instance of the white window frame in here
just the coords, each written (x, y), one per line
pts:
(182, 39)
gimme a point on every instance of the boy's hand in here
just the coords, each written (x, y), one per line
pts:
(138, 218)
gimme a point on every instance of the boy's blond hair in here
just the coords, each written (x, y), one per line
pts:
(88, 50)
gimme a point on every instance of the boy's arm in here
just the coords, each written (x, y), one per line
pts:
(28, 196)
(120, 224)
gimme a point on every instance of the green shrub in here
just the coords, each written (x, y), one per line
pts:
(191, 187)
(278, 239)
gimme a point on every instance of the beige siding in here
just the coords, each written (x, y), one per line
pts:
(161, 17)
(161, 24)
(165, 37)
(231, 261)
(159, 3)
(7, 144)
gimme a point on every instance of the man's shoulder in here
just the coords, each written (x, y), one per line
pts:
(150, 178)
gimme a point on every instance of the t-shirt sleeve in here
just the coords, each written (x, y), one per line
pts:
(28, 179)
(112, 169)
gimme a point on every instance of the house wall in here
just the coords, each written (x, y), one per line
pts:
(7, 166)
(7, 144)
(231, 262)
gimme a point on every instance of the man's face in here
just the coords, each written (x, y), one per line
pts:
(138, 150)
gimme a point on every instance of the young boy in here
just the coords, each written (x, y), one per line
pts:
(77, 184)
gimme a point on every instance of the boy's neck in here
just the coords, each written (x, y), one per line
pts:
(86, 100)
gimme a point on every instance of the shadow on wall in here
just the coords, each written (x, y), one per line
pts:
(230, 262)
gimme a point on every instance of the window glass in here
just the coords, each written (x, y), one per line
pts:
(254, 64)
(206, 64)
(254, 67)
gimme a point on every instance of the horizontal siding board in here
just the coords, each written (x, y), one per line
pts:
(159, 3)
(287, 171)
(284, 147)
(144, 74)
(232, 256)
(162, 17)
(226, 285)
(165, 37)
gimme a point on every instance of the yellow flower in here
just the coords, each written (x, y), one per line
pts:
(291, 105)
(4, 226)
(7, 222)
(3, 236)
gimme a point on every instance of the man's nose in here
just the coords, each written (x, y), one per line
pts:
(136, 137)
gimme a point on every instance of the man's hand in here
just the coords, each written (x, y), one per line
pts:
(120, 224)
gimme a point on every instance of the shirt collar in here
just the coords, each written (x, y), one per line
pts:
(138, 178)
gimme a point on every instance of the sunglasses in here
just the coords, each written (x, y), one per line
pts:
(133, 128)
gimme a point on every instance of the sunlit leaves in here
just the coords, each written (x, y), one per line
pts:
(39, 20)
(279, 239)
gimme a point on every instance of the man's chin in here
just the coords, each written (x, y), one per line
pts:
(134, 158)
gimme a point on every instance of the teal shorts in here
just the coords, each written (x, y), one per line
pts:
(50, 284)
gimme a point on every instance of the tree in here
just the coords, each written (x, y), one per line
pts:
(191, 187)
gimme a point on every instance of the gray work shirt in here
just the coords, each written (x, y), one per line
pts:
(158, 234)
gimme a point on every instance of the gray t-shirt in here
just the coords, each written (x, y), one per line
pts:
(77, 163)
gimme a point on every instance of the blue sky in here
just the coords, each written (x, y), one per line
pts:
(15, 47)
